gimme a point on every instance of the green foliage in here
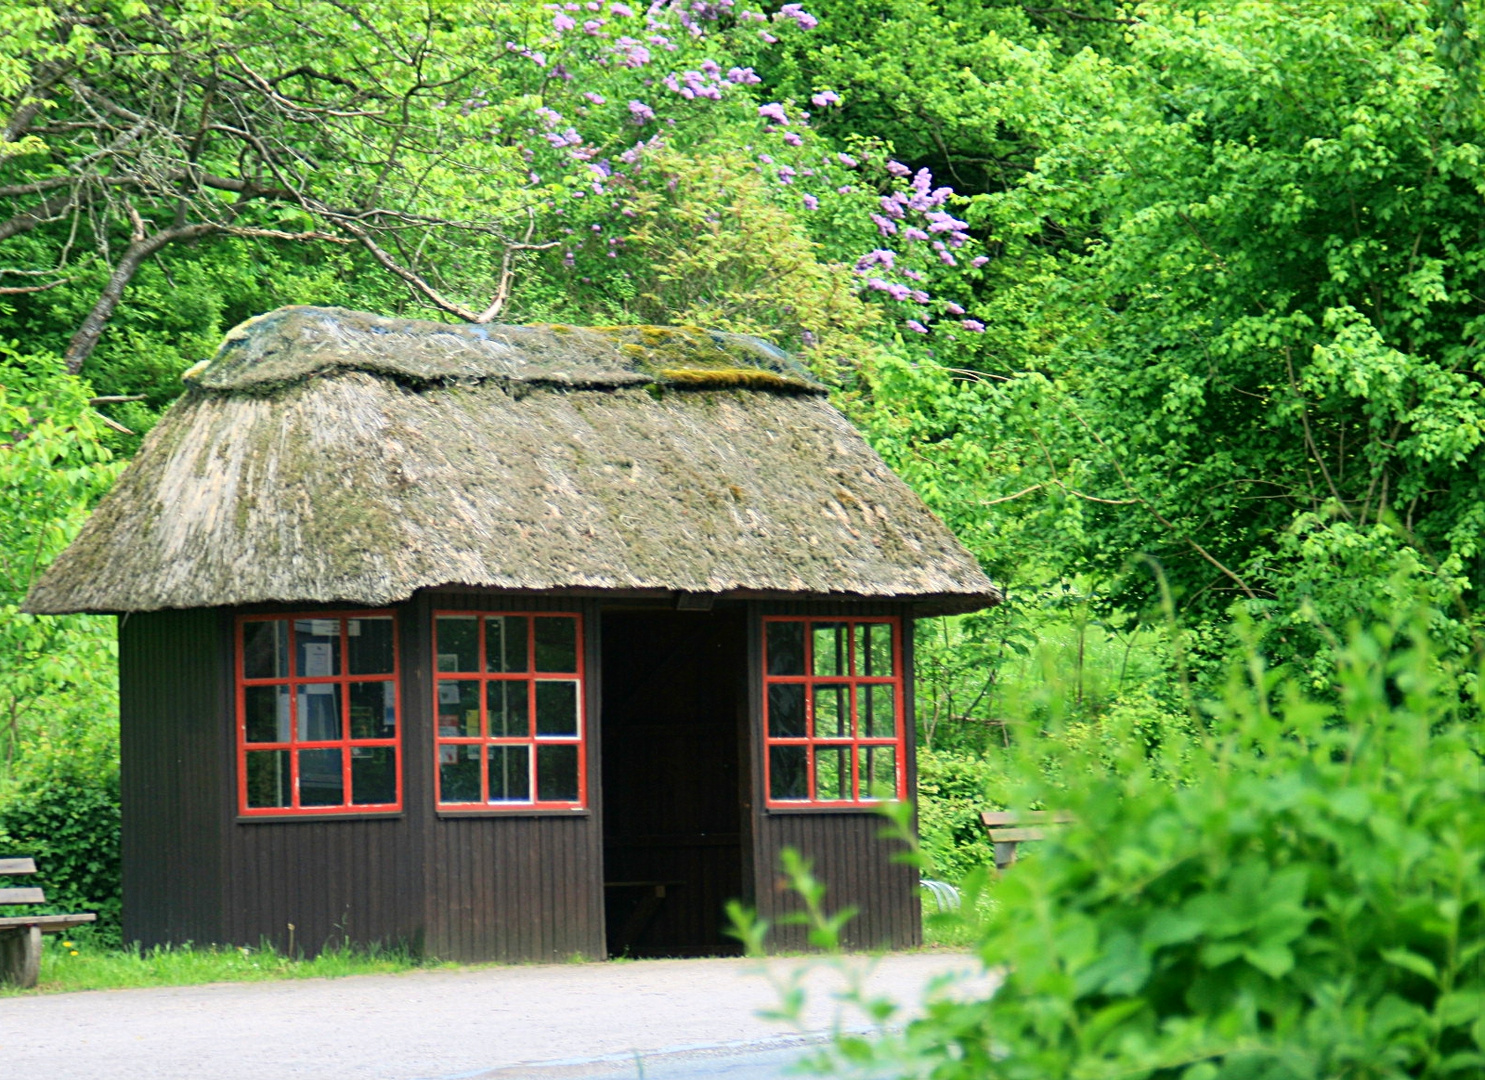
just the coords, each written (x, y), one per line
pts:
(1307, 901)
(62, 808)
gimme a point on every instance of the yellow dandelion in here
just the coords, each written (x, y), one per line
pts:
(66, 944)
(74, 952)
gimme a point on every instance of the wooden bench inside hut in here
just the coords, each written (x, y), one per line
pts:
(508, 642)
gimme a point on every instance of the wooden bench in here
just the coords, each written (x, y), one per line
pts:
(1007, 828)
(20, 935)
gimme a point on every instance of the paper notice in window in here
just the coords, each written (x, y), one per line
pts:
(317, 659)
(324, 627)
(448, 693)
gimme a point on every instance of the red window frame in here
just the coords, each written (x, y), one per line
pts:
(809, 741)
(531, 740)
(346, 743)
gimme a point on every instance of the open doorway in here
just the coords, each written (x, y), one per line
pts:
(674, 731)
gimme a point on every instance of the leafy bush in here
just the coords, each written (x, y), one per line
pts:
(1308, 901)
(62, 808)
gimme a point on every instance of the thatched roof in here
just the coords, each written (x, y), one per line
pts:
(326, 455)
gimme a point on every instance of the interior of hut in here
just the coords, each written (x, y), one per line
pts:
(674, 778)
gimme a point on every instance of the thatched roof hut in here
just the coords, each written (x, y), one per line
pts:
(507, 642)
(328, 455)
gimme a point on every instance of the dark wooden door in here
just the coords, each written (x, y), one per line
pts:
(673, 703)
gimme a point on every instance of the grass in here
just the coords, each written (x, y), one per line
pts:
(69, 964)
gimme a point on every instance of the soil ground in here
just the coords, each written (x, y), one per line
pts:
(683, 1017)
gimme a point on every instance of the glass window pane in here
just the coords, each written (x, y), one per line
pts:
(373, 775)
(786, 778)
(874, 649)
(556, 643)
(319, 712)
(505, 643)
(556, 771)
(786, 710)
(878, 772)
(784, 643)
(269, 782)
(321, 782)
(316, 648)
(459, 774)
(266, 713)
(832, 773)
(556, 707)
(371, 646)
(457, 642)
(459, 708)
(833, 711)
(505, 702)
(373, 710)
(829, 642)
(265, 649)
(877, 710)
(510, 773)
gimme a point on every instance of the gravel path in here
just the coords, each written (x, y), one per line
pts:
(429, 1025)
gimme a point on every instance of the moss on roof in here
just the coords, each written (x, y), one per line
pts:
(330, 456)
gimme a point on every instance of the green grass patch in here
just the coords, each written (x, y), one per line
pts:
(69, 964)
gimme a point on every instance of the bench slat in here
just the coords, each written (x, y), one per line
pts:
(1017, 835)
(49, 924)
(17, 866)
(1024, 817)
(22, 896)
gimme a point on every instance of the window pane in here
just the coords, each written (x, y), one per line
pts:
(319, 712)
(833, 712)
(556, 644)
(373, 710)
(459, 774)
(265, 649)
(459, 708)
(505, 643)
(556, 708)
(877, 711)
(878, 772)
(321, 782)
(785, 647)
(269, 782)
(510, 773)
(786, 710)
(458, 642)
(316, 647)
(370, 645)
(829, 641)
(556, 771)
(832, 773)
(874, 649)
(373, 775)
(505, 702)
(786, 772)
(266, 713)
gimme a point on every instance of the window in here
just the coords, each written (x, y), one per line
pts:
(508, 695)
(832, 711)
(318, 726)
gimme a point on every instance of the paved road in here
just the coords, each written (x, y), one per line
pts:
(547, 1021)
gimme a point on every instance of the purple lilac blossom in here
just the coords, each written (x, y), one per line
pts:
(912, 232)
(885, 226)
(773, 111)
(919, 296)
(846, 189)
(640, 113)
(765, 159)
(593, 27)
(786, 175)
(912, 275)
(973, 325)
(891, 207)
(825, 99)
(744, 76)
(711, 67)
(562, 23)
(810, 202)
(979, 260)
(848, 161)
(751, 16)
(768, 39)
(793, 139)
(953, 308)
(796, 12)
(624, 11)
(897, 168)
(915, 326)
(595, 98)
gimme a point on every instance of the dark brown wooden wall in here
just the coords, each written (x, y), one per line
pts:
(513, 887)
(847, 852)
